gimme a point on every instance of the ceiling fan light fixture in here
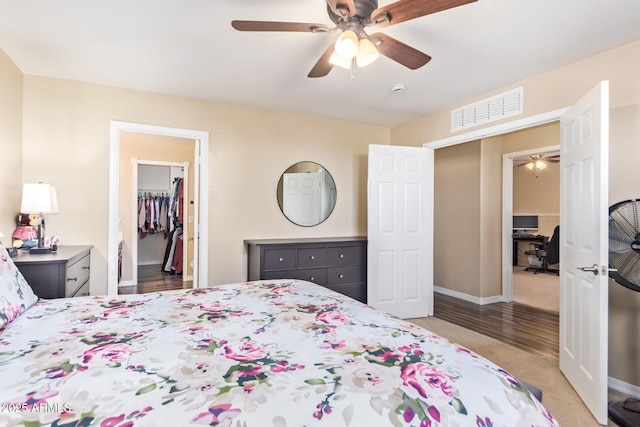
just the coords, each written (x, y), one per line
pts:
(339, 61)
(530, 165)
(347, 44)
(540, 164)
(367, 53)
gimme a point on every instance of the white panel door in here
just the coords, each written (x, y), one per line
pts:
(302, 197)
(400, 230)
(584, 245)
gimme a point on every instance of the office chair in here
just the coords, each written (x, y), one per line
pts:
(547, 253)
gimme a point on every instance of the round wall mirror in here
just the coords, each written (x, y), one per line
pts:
(306, 194)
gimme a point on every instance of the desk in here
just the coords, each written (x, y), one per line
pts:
(524, 238)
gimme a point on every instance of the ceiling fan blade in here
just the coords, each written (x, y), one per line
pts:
(399, 52)
(323, 66)
(344, 8)
(404, 10)
(279, 26)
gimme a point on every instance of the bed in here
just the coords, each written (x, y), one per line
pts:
(276, 353)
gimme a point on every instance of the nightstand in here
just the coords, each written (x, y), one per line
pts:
(64, 273)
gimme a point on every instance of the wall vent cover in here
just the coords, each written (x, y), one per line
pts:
(488, 110)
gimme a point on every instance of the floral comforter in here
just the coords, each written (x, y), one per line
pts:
(270, 353)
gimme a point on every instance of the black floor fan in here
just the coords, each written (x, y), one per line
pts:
(624, 264)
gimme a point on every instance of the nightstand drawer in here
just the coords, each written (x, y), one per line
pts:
(82, 292)
(279, 259)
(77, 275)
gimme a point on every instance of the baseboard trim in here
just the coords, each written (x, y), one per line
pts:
(467, 297)
(124, 283)
(623, 387)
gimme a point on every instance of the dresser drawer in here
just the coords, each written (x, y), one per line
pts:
(341, 255)
(82, 292)
(312, 257)
(349, 274)
(315, 275)
(357, 291)
(279, 259)
(77, 276)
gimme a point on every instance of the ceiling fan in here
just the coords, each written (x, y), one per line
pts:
(354, 46)
(537, 162)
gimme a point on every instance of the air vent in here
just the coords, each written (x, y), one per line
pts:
(488, 110)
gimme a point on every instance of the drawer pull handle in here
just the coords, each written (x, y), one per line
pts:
(72, 279)
(341, 255)
(341, 276)
(280, 259)
(312, 257)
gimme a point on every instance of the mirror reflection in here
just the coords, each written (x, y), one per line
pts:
(306, 194)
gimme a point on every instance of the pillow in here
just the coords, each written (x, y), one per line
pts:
(15, 293)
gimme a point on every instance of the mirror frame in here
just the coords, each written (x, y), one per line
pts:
(310, 167)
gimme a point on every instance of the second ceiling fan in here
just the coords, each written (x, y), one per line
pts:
(354, 46)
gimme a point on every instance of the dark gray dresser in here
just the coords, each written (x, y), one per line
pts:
(338, 263)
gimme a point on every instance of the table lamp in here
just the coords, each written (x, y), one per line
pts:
(39, 199)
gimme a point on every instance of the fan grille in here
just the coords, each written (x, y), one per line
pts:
(624, 243)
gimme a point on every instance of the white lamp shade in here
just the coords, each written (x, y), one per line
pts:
(339, 61)
(367, 53)
(541, 164)
(39, 198)
(347, 44)
(530, 165)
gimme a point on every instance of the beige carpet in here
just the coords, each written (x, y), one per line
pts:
(540, 290)
(543, 372)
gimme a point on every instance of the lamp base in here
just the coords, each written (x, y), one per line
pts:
(39, 251)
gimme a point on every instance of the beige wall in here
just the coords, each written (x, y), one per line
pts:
(66, 133)
(157, 148)
(10, 145)
(545, 92)
(556, 89)
(457, 218)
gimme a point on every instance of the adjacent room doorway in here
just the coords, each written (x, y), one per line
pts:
(200, 201)
(538, 290)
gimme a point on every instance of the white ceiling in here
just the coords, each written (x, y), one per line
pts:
(188, 48)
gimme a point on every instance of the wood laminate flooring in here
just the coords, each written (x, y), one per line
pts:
(525, 327)
(152, 279)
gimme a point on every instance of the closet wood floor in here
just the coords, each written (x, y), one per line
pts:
(525, 327)
(151, 278)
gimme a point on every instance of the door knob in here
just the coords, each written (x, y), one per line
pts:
(594, 269)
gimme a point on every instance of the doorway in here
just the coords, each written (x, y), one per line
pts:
(198, 217)
(161, 236)
(535, 199)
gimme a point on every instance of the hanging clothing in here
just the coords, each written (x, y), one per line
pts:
(170, 252)
(153, 215)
